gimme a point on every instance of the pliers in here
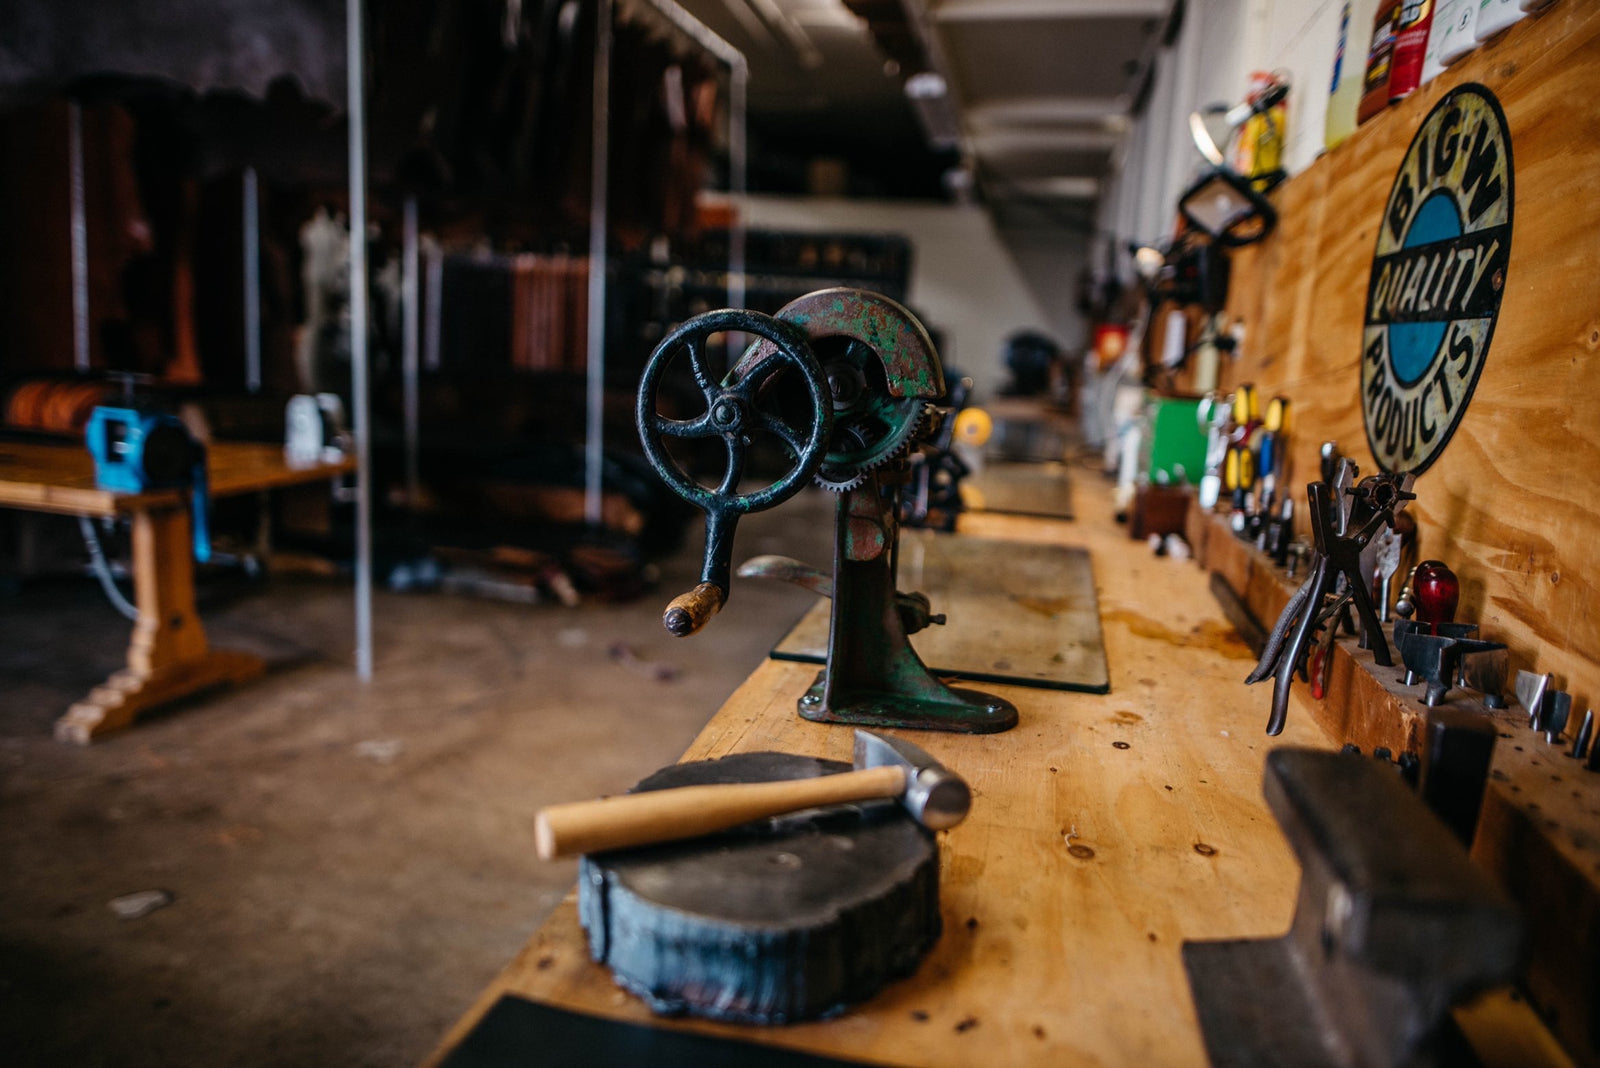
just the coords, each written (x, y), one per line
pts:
(1343, 520)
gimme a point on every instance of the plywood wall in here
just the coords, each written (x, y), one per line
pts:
(1513, 504)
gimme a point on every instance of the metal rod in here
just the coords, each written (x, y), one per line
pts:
(738, 109)
(594, 437)
(738, 177)
(79, 230)
(410, 292)
(355, 104)
(252, 282)
(435, 299)
(699, 32)
(1580, 744)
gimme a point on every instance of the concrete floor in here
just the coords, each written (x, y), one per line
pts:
(350, 864)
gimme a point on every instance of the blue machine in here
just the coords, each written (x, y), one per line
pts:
(136, 450)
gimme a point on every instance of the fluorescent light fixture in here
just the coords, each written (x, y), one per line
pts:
(1047, 111)
(824, 14)
(1010, 10)
(935, 110)
(927, 86)
(1060, 187)
(1033, 139)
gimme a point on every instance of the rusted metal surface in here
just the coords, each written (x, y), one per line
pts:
(910, 361)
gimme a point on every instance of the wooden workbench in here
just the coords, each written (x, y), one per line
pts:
(168, 655)
(1106, 830)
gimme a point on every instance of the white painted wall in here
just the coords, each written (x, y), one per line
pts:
(1051, 260)
(1221, 43)
(964, 279)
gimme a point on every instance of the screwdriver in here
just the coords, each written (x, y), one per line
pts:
(1239, 474)
(1268, 457)
(1245, 412)
(1277, 417)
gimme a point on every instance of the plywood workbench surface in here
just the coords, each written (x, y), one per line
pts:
(1105, 830)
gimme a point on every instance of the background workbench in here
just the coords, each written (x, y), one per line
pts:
(168, 655)
(1105, 830)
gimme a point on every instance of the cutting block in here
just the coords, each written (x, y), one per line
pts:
(774, 921)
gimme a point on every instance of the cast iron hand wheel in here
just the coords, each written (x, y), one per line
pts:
(733, 413)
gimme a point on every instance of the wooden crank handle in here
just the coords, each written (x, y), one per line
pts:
(690, 811)
(688, 612)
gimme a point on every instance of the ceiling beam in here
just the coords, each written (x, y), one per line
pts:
(1060, 187)
(1015, 10)
(1048, 110)
(1001, 142)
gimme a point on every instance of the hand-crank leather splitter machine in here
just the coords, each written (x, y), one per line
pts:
(846, 382)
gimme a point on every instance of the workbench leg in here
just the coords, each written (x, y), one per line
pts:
(168, 657)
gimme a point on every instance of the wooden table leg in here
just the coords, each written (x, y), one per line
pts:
(168, 657)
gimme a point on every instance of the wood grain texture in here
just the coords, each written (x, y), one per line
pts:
(1535, 832)
(1514, 501)
(1104, 831)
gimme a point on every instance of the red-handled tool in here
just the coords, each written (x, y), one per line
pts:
(1436, 592)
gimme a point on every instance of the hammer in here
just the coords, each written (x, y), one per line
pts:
(885, 769)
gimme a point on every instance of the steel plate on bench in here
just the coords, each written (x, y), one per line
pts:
(1018, 612)
(1038, 489)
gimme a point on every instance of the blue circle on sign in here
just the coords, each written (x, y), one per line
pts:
(1412, 346)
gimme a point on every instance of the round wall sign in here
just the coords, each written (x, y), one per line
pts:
(1437, 276)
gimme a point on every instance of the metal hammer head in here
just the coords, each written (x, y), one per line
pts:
(935, 796)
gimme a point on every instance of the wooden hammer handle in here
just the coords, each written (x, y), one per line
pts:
(690, 811)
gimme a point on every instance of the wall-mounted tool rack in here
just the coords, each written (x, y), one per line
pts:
(1535, 831)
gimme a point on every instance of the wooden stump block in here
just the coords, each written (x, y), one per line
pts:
(772, 922)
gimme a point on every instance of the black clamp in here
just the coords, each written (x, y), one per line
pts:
(1344, 519)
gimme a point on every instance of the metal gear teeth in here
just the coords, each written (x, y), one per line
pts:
(835, 486)
(917, 425)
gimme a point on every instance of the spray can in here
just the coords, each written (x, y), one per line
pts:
(1375, 85)
(1410, 47)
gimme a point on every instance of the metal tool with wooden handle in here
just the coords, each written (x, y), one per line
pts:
(885, 769)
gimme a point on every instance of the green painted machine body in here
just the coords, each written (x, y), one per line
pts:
(870, 374)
